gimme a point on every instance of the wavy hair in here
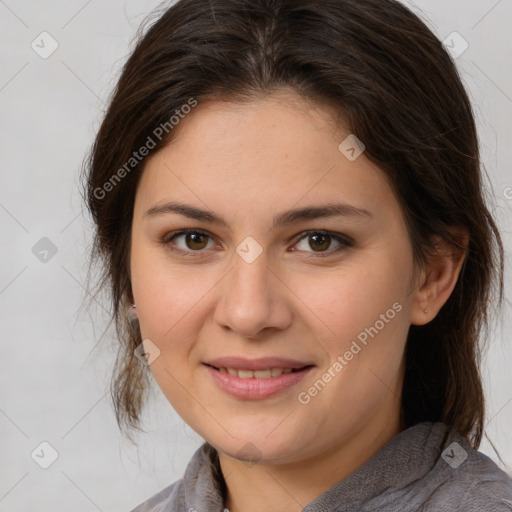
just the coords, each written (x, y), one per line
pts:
(380, 67)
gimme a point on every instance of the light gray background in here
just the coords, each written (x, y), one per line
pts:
(53, 383)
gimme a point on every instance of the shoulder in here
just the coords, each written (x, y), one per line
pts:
(167, 500)
(487, 486)
(488, 497)
(471, 481)
(195, 491)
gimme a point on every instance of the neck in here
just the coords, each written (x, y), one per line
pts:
(290, 487)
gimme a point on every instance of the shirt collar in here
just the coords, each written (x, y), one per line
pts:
(407, 457)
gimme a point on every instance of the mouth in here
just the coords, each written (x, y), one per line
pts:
(256, 384)
(258, 374)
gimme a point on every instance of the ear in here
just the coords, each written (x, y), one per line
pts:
(439, 277)
(131, 307)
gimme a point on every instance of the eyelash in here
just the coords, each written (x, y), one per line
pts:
(343, 240)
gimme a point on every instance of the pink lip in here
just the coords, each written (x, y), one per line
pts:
(253, 388)
(263, 363)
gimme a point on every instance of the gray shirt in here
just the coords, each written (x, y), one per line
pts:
(424, 468)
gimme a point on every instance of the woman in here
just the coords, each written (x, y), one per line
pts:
(289, 210)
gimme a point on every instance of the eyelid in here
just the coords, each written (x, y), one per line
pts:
(344, 240)
(173, 234)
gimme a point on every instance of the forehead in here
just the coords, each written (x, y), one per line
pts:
(273, 151)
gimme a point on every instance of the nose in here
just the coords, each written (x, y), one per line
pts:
(253, 298)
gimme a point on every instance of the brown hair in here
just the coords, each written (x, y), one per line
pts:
(379, 66)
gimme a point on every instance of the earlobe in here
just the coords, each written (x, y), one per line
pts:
(132, 311)
(440, 278)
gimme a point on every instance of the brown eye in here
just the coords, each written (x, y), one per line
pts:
(190, 241)
(195, 241)
(187, 241)
(320, 242)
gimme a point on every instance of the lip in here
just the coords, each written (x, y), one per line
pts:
(263, 363)
(253, 388)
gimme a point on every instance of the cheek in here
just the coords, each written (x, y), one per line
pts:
(169, 308)
(165, 293)
(360, 314)
(345, 301)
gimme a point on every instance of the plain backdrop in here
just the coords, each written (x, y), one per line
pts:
(54, 383)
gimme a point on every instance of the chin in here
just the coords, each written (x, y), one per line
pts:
(258, 448)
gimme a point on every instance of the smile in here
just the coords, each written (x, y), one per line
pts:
(257, 374)
(256, 384)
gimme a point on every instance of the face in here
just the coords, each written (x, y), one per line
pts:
(326, 291)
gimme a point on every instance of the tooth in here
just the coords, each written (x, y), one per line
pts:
(258, 374)
(262, 374)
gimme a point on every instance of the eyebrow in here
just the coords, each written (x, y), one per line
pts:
(280, 220)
